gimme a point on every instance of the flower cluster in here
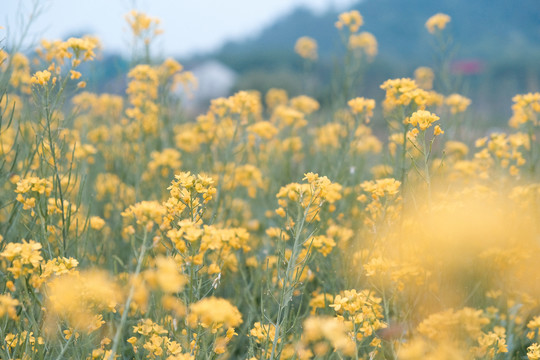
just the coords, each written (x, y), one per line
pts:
(311, 196)
(306, 47)
(437, 22)
(161, 234)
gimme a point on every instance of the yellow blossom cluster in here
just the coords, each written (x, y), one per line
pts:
(502, 151)
(146, 214)
(215, 314)
(154, 340)
(327, 334)
(20, 77)
(42, 78)
(76, 49)
(364, 41)
(311, 196)
(275, 97)
(384, 205)
(80, 298)
(360, 308)
(362, 105)
(14, 341)
(424, 77)
(457, 103)
(322, 244)
(143, 25)
(437, 22)
(30, 189)
(7, 306)
(351, 20)
(166, 276)
(365, 142)
(162, 163)
(525, 109)
(25, 257)
(189, 191)
(155, 233)
(143, 91)
(306, 47)
(305, 104)
(404, 91)
(423, 119)
(533, 352)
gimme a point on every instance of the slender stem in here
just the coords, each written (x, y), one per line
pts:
(228, 153)
(64, 348)
(403, 176)
(427, 153)
(286, 295)
(130, 297)
(532, 158)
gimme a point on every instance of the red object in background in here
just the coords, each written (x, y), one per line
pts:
(467, 67)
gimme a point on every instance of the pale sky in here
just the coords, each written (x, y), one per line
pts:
(190, 26)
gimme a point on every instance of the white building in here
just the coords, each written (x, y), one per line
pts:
(214, 80)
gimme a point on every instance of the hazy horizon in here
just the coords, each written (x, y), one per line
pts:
(189, 28)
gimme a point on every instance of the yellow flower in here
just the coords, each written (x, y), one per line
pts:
(7, 306)
(162, 164)
(25, 257)
(189, 191)
(457, 103)
(321, 243)
(351, 20)
(533, 352)
(212, 312)
(381, 187)
(41, 77)
(281, 212)
(398, 92)
(525, 109)
(362, 105)
(423, 119)
(263, 332)
(365, 41)
(275, 97)
(79, 299)
(96, 223)
(319, 329)
(169, 67)
(264, 129)
(424, 77)
(288, 116)
(166, 276)
(437, 22)
(74, 74)
(456, 149)
(306, 47)
(445, 324)
(146, 213)
(381, 171)
(142, 24)
(305, 104)
(437, 130)
(330, 135)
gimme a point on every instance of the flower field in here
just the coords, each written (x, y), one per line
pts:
(269, 226)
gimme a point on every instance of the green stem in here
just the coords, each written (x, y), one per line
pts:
(403, 154)
(426, 164)
(130, 298)
(287, 292)
(64, 348)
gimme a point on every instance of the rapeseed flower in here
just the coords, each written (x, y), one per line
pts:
(437, 22)
(306, 47)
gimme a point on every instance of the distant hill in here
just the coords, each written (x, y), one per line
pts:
(489, 30)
